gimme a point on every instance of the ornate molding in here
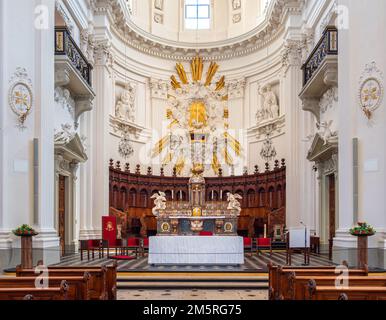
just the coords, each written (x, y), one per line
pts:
(159, 88)
(328, 99)
(62, 12)
(147, 43)
(102, 53)
(236, 88)
(270, 127)
(63, 98)
(291, 54)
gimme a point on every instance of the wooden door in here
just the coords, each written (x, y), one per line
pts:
(62, 213)
(331, 218)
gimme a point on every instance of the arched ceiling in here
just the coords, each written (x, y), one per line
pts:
(156, 39)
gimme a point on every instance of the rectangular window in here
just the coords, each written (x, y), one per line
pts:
(197, 14)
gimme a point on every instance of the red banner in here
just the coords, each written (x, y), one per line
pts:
(109, 229)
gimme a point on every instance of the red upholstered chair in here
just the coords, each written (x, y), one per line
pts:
(264, 244)
(116, 244)
(247, 244)
(132, 245)
(206, 233)
(91, 245)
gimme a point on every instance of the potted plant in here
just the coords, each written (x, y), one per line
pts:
(24, 231)
(362, 231)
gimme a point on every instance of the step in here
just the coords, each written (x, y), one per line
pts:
(191, 278)
(192, 285)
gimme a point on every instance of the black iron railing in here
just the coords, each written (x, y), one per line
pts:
(327, 45)
(66, 46)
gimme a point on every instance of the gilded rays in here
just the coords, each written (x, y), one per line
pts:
(197, 69)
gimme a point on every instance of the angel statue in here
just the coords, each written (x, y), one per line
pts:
(234, 204)
(159, 202)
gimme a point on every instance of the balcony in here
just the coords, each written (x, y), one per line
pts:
(320, 72)
(73, 72)
(66, 48)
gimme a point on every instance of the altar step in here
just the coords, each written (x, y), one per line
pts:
(192, 282)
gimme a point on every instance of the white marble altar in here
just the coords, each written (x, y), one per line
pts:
(196, 250)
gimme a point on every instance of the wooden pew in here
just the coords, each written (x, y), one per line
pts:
(316, 292)
(111, 276)
(273, 275)
(297, 284)
(57, 293)
(284, 277)
(78, 287)
(97, 286)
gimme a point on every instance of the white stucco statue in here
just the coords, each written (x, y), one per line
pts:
(325, 132)
(125, 108)
(270, 106)
(233, 203)
(159, 202)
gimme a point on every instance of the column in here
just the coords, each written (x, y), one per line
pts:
(44, 128)
(100, 134)
(292, 84)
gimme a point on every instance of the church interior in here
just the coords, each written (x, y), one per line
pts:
(192, 150)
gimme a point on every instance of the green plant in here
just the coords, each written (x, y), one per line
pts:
(362, 229)
(25, 229)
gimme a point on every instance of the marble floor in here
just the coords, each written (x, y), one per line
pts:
(192, 294)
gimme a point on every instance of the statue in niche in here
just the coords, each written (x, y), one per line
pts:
(270, 108)
(125, 108)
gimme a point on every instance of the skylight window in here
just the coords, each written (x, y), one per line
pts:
(197, 14)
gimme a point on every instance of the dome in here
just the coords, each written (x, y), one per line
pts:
(196, 21)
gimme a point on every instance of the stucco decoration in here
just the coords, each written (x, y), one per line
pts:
(270, 106)
(125, 147)
(371, 89)
(125, 107)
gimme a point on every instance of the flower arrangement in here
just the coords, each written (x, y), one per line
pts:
(362, 229)
(24, 230)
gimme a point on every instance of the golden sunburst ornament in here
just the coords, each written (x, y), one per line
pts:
(198, 118)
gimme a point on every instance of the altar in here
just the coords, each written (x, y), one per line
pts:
(196, 250)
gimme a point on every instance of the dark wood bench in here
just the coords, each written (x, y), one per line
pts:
(285, 275)
(97, 285)
(78, 287)
(297, 285)
(273, 275)
(56, 293)
(111, 276)
(316, 292)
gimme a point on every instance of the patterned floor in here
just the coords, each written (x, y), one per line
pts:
(194, 294)
(253, 263)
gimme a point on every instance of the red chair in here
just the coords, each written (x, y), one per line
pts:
(247, 244)
(116, 244)
(91, 245)
(264, 244)
(132, 245)
(206, 233)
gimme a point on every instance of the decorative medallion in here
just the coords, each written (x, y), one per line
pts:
(228, 227)
(20, 95)
(268, 152)
(371, 90)
(125, 147)
(165, 227)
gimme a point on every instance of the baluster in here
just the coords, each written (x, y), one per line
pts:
(127, 168)
(256, 170)
(149, 171)
(174, 172)
(138, 170)
(266, 167)
(111, 164)
(162, 173)
(283, 163)
(118, 165)
(220, 172)
(276, 165)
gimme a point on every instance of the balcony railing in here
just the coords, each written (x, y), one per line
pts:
(66, 46)
(327, 45)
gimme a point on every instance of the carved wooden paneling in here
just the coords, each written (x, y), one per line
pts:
(262, 193)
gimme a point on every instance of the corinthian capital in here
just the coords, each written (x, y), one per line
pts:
(102, 53)
(292, 53)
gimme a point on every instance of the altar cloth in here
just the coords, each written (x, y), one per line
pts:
(196, 250)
